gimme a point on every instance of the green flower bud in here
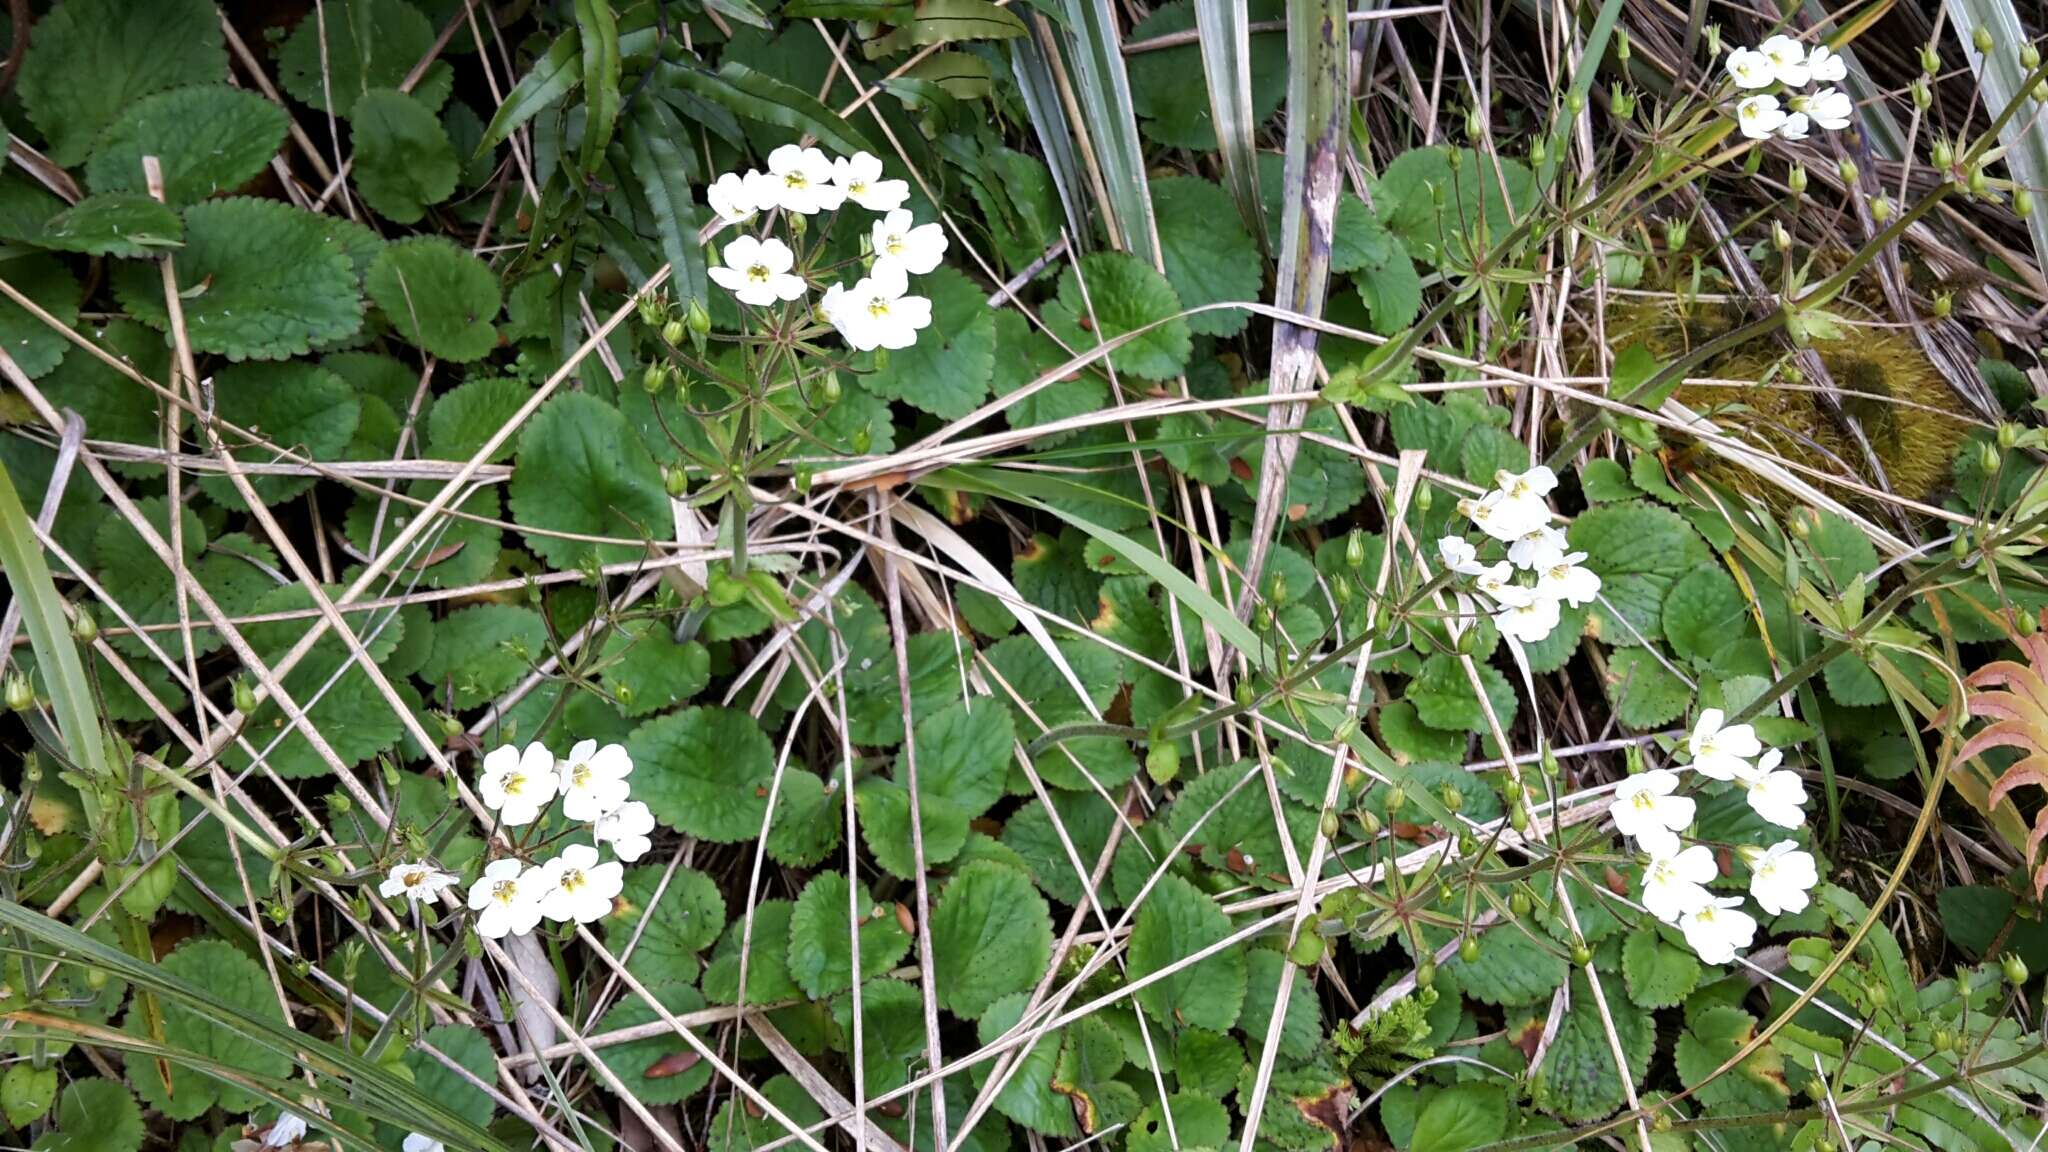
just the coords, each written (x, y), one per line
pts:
(2030, 56)
(1425, 972)
(1780, 238)
(2014, 968)
(1518, 818)
(1278, 592)
(20, 696)
(675, 482)
(1987, 456)
(1880, 209)
(651, 307)
(1713, 32)
(1797, 180)
(1475, 125)
(1944, 1040)
(2008, 435)
(1451, 797)
(1575, 101)
(654, 378)
(1847, 170)
(829, 390)
(245, 696)
(1538, 151)
(2022, 202)
(1424, 496)
(1978, 182)
(1354, 549)
(697, 318)
(1944, 303)
(1468, 950)
(1959, 547)
(1621, 46)
(84, 628)
(1981, 38)
(673, 332)
(1930, 58)
(2027, 623)
(862, 440)
(1370, 822)
(1331, 824)
(1581, 955)
(1519, 904)
(1396, 799)
(1245, 694)
(1923, 94)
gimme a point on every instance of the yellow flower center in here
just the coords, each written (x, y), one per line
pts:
(414, 879)
(515, 783)
(796, 180)
(878, 307)
(579, 776)
(572, 879)
(894, 245)
(505, 891)
(758, 273)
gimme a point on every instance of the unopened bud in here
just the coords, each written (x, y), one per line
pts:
(1982, 39)
(1425, 973)
(1354, 549)
(673, 332)
(1452, 798)
(1475, 125)
(1797, 180)
(2008, 435)
(1621, 46)
(1847, 170)
(862, 440)
(2022, 202)
(1468, 950)
(245, 697)
(652, 307)
(1278, 592)
(654, 379)
(830, 390)
(1423, 497)
(1923, 95)
(1880, 209)
(675, 482)
(1574, 102)
(1978, 182)
(1676, 232)
(2027, 623)
(1332, 824)
(1780, 238)
(1621, 101)
(1581, 955)
(1930, 58)
(2030, 56)
(1538, 151)
(1713, 32)
(1519, 903)
(697, 318)
(1396, 799)
(1944, 303)
(20, 696)
(84, 628)
(1943, 154)
(1987, 456)
(1245, 695)
(2014, 968)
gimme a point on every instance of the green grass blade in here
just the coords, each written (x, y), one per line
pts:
(1104, 90)
(1226, 40)
(2024, 137)
(1049, 123)
(42, 610)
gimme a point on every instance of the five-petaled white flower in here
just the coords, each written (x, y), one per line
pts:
(758, 271)
(1826, 66)
(1830, 108)
(506, 898)
(1459, 556)
(1497, 583)
(1568, 581)
(1720, 752)
(1718, 928)
(801, 181)
(1529, 620)
(1646, 811)
(1538, 548)
(419, 1143)
(1750, 69)
(1777, 794)
(876, 313)
(517, 783)
(289, 1130)
(421, 883)
(1794, 126)
(1534, 484)
(579, 888)
(860, 177)
(731, 196)
(1781, 876)
(626, 828)
(1788, 60)
(1676, 883)
(1506, 517)
(594, 779)
(914, 247)
(1759, 117)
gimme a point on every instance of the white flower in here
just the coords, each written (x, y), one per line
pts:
(419, 1143)
(1497, 583)
(1566, 580)
(875, 313)
(1794, 127)
(517, 784)
(1675, 883)
(1826, 66)
(1539, 548)
(594, 779)
(1528, 621)
(1830, 108)
(914, 247)
(289, 1130)
(1788, 60)
(507, 897)
(731, 196)
(1534, 484)
(1646, 811)
(1716, 930)
(420, 883)
(1777, 795)
(1719, 753)
(860, 177)
(626, 829)
(1505, 517)
(1750, 69)
(1781, 876)
(801, 181)
(1459, 556)
(758, 271)
(1759, 117)
(577, 887)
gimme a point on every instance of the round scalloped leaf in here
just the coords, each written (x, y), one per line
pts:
(1659, 974)
(647, 671)
(581, 470)
(127, 224)
(231, 979)
(991, 936)
(210, 139)
(403, 159)
(885, 826)
(1177, 116)
(90, 59)
(1577, 1082)
(277, 281)
(1176, 921)
(820, 958)
(1640, 551)
(1023, 354)
(457, 551)
(298, 406)
(350, 713)
(1703, 613)
(482, 651)
(35, 346)
(394, 37)
(1126, 295)
(767, 957)
(670, 932)
(464, 419)
(1209, 256)
(947, 371)
(892, 1031)
(705, 772)
(95, 1116)
(807, 822)
(1715, 1035)
(1645, 692)
(435, 1080)
(640, 1065)
(437, 295)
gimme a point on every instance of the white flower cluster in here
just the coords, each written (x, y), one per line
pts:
(1786, 65)
(519, 784)
(1515, 514)
(877, 312)
(1649, 810)
(289, 1130)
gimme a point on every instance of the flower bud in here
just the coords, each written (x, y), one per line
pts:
(1944, 303)
(20, 696)
(1475, 125)
(1987, 456)
(1847, 170)
(1713, 32)
(1277, 593)
(1354, 549)
(675, 482)
(1370, 822)
(2023, 202)
(673, 332)
(1982, 39)
(1452, 798)
(245, 696)
(1944, 1040)
(654, 378)
(2030, 56)
(1797, 180)
(1676, 233)
(1621, 48)
(1581, 955)
(1468, 950)
(84, 628)
(1423, 499)
(1978, 182)
(1621, 101)
(1923, 96)
(652, 307)
(1880, 209)
(1519, 904)
(1943, 154)
(2014, 968)
(1780, 238)
(2027, 623)
(1959, 545)
(1425, 972)
(862, 440)
(1265, 618)
(1518, 818)
(697, 318)
(829, 390)
(1331, 824)
(2008, 435)
(1396, 799)
(1245, 696)
(1539, 152)
(1930, 58)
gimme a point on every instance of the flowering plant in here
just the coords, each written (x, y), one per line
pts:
(1783, 67)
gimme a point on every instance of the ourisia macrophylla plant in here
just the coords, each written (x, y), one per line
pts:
(1650, 812)
(1784, 64)
(1515, 514)
(878, 311)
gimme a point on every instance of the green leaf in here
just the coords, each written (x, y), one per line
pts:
(88, 60)
(632, 1062)
(1176, 921)
(1022, 355)
(468, 1048)
(884, 807)
(670, 932)
(464, 419)
(1604, 482)
(649, 672)
(127, 224)
(298, 405)
(1209, 256)
(35, 346)
(114, 407)
(482, 651)
(892, 1031)
(437, 295)
(403, 159)
(233, 979)
(991, 936)
(1028, 1098)
(1639, 551)
(1840, 547)
(456, 552)
(947, 371)
(1577, 1081)
(1703, 614)
(350, 712)
(1302, 1030)
(1177, 115)
(807, 822)
(1461, 1117)
(1444, 699)
(759, 96)
(581, 470)
(656, 144)
(1512, 968)
(767, 960)
(946, 22)
(276, 281)
(95, 1116)
(705, 772)
(1406, 198)
(1392, 294)
(209, 138)
(820, 937)
(1126, 295)
(1755, 1085)
(597, 36)
(1659, 975)
(368, 44)
(1645, 693)
(1086, 818)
